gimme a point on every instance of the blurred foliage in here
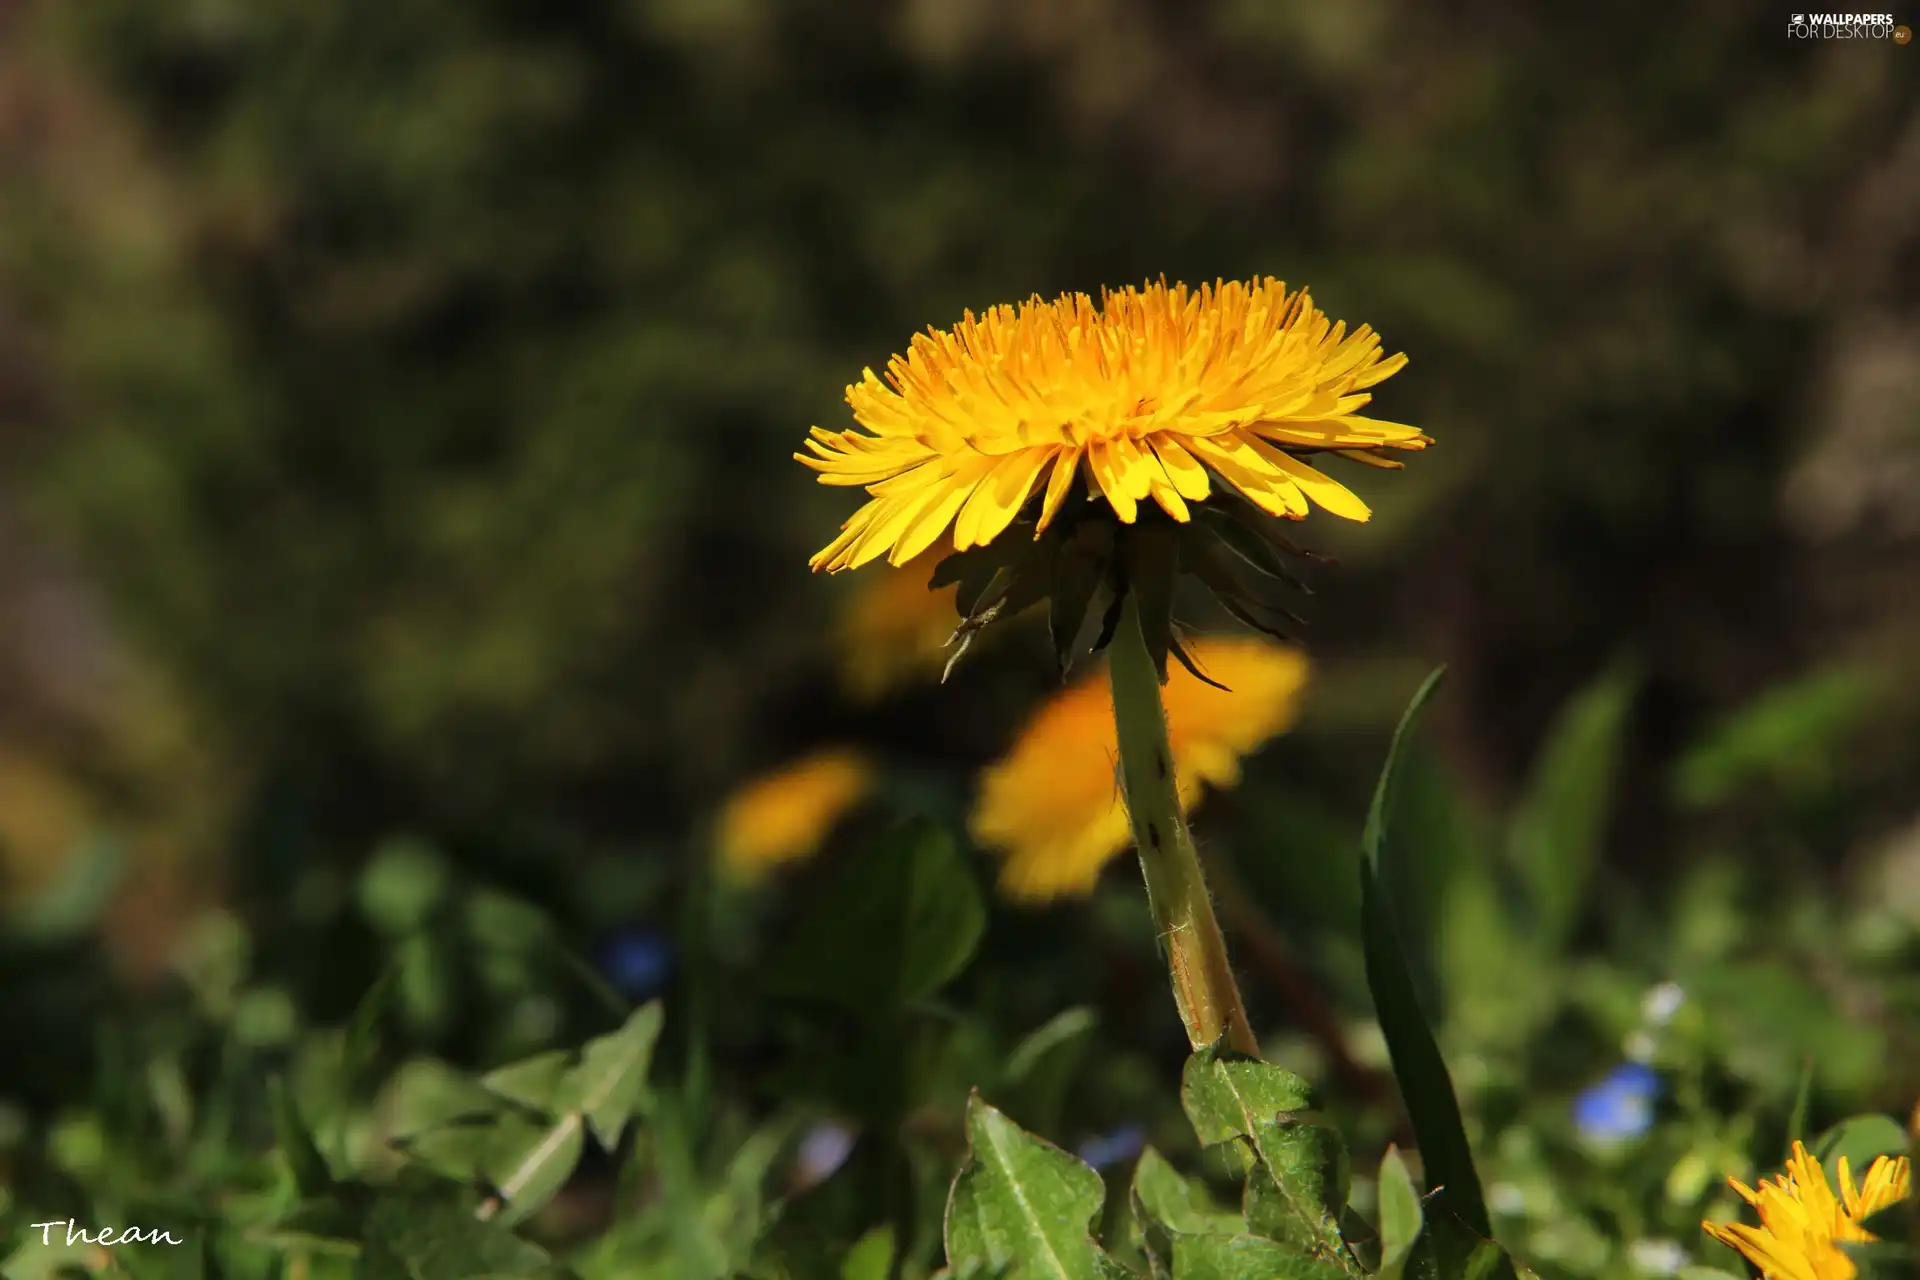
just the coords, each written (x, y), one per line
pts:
(401, 562)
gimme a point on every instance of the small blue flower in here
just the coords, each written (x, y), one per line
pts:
(637, 963)
(823, 1149)
(1118, 1147)
(1620, 1106)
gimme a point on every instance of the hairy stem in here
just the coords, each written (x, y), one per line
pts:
(1203, 985)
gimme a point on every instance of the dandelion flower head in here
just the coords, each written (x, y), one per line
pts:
(1802, 1222)
(1155, 394)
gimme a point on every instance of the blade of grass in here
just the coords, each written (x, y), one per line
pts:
(1425, 1084)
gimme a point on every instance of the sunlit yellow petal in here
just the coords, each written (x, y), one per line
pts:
(1188, 476)
(997, 499)
(1802, 1223)
(1065, 464)
(1323, 489)
(1111, 477)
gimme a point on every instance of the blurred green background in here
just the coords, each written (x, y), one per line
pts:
(397, 402)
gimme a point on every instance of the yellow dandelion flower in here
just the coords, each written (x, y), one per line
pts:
(1052, 807)
(1153, 393)
(1802, 1223)
(896, 628)
(786, 815)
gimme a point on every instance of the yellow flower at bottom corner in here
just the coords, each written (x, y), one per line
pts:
(896, 627)
(1051, 806)
(786, 815)
(1802, 1223)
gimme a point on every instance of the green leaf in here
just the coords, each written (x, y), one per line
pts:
(1400, 1215)
(610, 1086)
(541, 1171)
(871, 1257)
(1422, 1074)
(1041, 1066)
(468, 1130)
(893, 928)
(1226, 1097)
(1860, 1139)
(331, 1224)
(402, 885)
(1296, 1193)
(1179, 1203)
(1021, 1203)
(1802, 1099)
(418, 1235)
(1556, 835)
(1212, 1257)
(361, 1044)
(310, 1174)
(1300, 1186)
(605, 1081)
(1786, 738)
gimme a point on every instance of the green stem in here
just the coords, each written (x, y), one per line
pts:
(1203, 985)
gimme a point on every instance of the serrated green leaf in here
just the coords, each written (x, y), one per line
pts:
(892, 929)
(422, 1236)
(1021, 1203)
(1226, 1096)
(1297, 1193)
(1400, 1215)
(1212, 1257)
(610, 1085)
(605, 1081)
(1424, 1081)
(1555, 838)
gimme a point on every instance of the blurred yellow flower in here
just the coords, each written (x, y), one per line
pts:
(43, 817)
(786, 815)
(1152, 393)
(1052, 808)
(896, 628)
(1801, 1223)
